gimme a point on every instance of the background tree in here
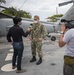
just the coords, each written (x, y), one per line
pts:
(14, 12)
(11, 11)
(24, 14)
(54, 18)
(2, 1)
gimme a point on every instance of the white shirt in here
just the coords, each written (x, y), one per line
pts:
(69, 40)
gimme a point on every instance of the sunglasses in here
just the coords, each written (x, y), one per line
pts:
(35, 19)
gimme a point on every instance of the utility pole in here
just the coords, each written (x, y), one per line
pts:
(56, 11)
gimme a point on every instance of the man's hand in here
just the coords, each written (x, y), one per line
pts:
(40, 39)
(29, 29)
(30, 38)
(63, 28)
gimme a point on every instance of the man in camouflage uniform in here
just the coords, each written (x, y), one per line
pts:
(38, 32)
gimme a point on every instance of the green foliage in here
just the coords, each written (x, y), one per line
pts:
(14, 12)
(54, 18)
(11, 11)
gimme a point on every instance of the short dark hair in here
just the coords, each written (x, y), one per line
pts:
(37, 17)
(16, 20)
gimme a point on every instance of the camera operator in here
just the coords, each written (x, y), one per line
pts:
(67, 38)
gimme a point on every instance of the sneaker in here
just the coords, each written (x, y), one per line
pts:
(21, 71)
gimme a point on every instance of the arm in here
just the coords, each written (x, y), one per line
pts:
(31, 35)
(9, 36)
(61, 42)
(64, 38)
(25, 34)
(43, 31)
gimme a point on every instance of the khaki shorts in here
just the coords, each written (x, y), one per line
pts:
(69, 60)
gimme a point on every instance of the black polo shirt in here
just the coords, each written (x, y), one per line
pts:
(16, 32)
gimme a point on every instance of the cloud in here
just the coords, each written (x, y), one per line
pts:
(43, 8)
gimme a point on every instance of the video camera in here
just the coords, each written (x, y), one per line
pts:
(68, 23)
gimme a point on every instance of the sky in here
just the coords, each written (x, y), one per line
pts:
(43, 8)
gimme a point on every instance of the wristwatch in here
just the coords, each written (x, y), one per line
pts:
(61, 32)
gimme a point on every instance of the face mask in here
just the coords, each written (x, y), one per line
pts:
(20, 23)
(35, 21)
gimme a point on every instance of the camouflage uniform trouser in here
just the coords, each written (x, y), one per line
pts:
(36, 45)
(68, 69)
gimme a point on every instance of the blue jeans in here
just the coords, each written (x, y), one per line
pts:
(17, 54)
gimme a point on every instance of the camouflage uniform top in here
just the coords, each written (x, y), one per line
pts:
(38, 31)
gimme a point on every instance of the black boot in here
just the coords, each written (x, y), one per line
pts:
(33, 59)
(39, 62)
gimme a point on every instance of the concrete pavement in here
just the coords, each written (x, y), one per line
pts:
(52, 59)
